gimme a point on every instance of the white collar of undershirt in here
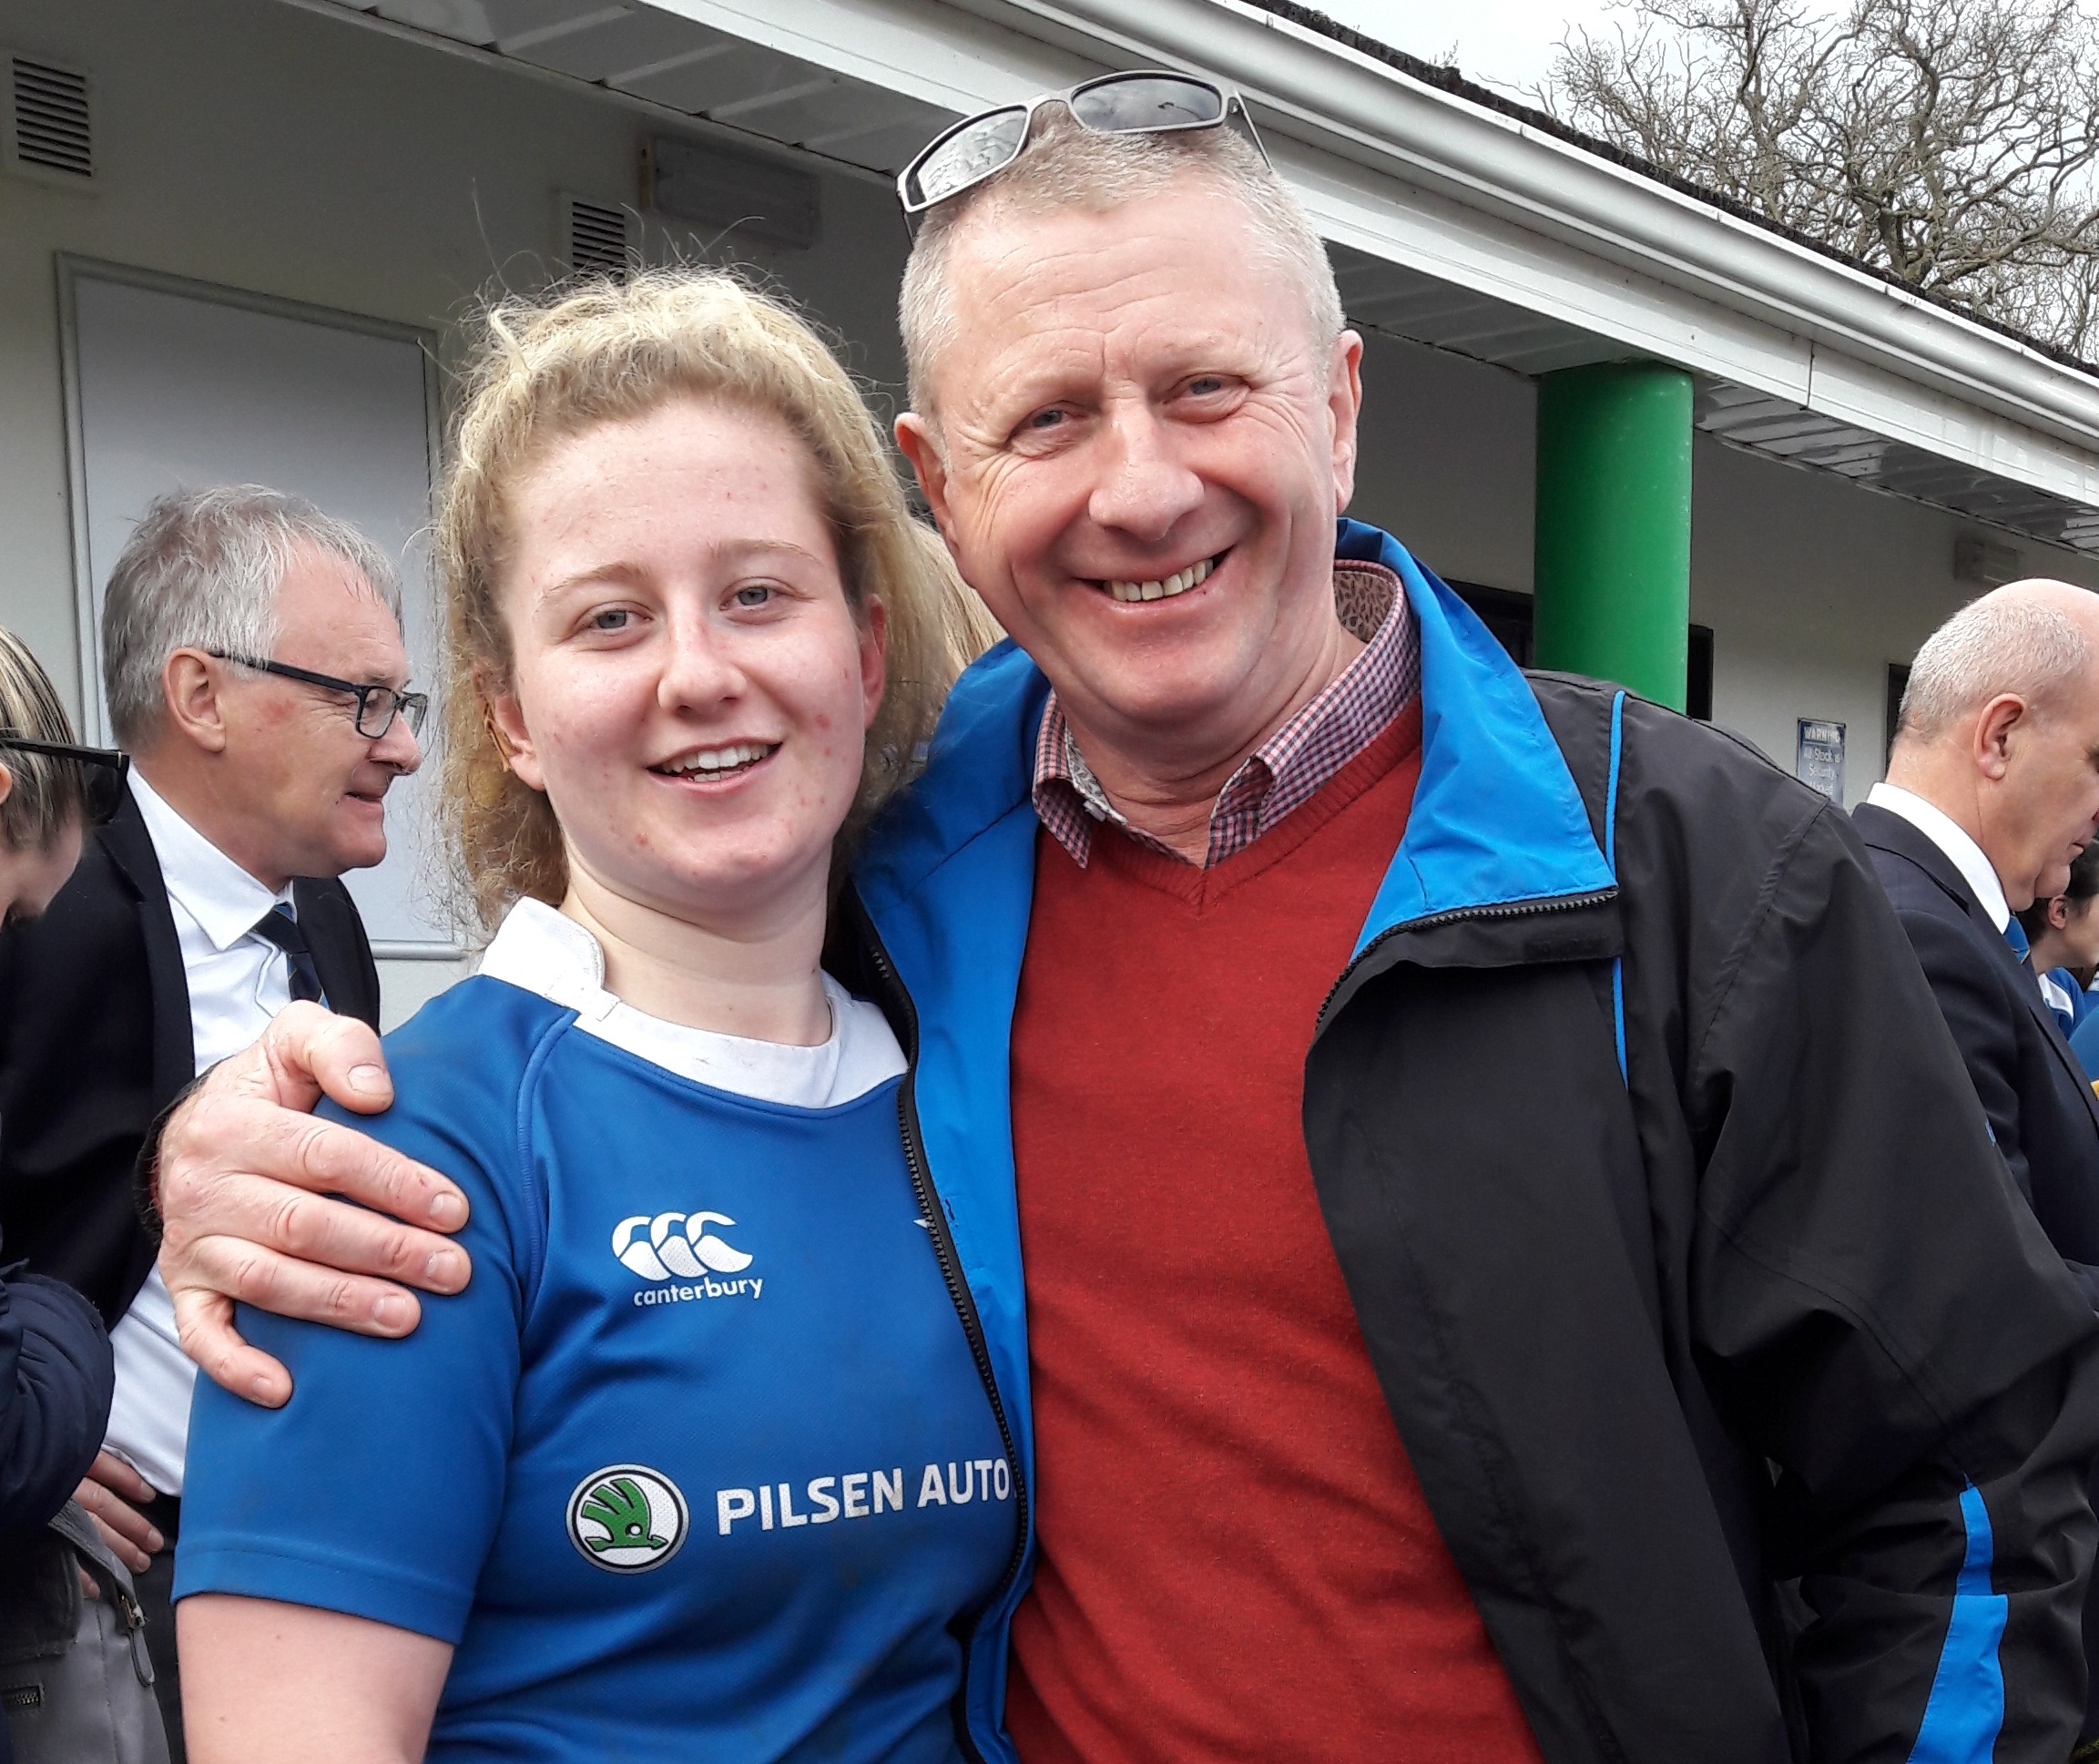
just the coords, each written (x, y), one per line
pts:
(1950, 838)
(223, 898)
(542, 951)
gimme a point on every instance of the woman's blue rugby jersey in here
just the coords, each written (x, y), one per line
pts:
(699, 1465)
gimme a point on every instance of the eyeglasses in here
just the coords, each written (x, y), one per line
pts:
(377, 706)
(1151, 103)
(102, 772)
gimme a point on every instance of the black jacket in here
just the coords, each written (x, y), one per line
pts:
(2041, 1105)
(56, 1379)
(1751, 1401)
(95, 1041)
(1762, 1313)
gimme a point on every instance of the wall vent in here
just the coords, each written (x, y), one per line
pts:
(47, 121)
(599, 240)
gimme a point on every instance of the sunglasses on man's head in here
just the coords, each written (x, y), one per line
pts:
(1149, 103)
(103, 771)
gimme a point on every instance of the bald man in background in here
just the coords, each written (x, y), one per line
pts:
(1992, 789)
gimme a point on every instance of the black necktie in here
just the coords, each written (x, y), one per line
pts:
(278, 927)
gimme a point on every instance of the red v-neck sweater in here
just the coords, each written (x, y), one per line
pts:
(1235, 1560)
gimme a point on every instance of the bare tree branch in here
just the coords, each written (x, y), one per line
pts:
(1953, 143)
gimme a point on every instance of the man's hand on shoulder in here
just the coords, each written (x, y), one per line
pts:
(245, 1180)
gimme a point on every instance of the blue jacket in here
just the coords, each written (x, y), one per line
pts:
(1756, 1228)
(56, 1379)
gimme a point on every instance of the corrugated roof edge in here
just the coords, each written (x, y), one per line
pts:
(1450, 80)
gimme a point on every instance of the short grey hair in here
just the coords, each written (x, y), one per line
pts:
(1065, 167)
(201, 572)
(2003, 642)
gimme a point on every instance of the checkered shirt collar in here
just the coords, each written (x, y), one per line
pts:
(1292, 766)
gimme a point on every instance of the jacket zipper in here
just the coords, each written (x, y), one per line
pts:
(964, 1304)
(1434, 921)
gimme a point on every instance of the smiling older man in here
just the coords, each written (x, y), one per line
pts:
(1486, 1232)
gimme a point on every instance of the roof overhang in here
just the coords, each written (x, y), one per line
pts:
(1526, 236)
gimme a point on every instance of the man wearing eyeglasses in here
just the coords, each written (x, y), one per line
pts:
(1512, 1268)
(255, 674)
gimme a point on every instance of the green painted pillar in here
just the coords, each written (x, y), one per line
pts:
(1614, 526)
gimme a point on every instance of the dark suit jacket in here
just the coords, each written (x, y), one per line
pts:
(95, 1042)
(2041, 1105)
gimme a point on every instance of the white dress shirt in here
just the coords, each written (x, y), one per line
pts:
(237, 983)
(1946, 833)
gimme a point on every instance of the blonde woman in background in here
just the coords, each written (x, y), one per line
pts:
(56, 1371)
(656, 1485)
(51, 788)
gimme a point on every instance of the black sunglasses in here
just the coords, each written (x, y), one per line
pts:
(377, 706)
(102, 772)
(1147, 103)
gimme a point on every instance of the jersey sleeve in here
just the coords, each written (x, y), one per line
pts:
(376, 1491)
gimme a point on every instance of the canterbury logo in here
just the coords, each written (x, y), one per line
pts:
(676, 1246)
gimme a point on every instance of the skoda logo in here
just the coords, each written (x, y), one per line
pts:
(627, 1518)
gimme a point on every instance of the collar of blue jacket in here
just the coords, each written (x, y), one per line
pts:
(947, 877)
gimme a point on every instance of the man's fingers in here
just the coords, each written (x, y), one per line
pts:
(250, 1116)
(122, 1526)
(279, 1067)
(245, 1180)
(122, 1547)
(204, 1324)
(293, 1288)
(222, 1139)
(338, 1159)
(306, 1046)
(113, 1472)
(119, 1518)
(251, 1212)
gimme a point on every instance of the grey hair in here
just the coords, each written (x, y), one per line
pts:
(1065, 167)
(47, 793)
(2003, 642)
(201, 572)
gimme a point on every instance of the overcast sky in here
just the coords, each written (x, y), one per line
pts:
(1506, 43)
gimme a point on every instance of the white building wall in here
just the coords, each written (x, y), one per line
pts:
(1813, 587)
(258, 146)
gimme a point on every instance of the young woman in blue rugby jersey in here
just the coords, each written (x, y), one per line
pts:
(701, 1464)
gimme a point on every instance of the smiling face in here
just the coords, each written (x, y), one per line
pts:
(690, 684)
(1136, 456)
